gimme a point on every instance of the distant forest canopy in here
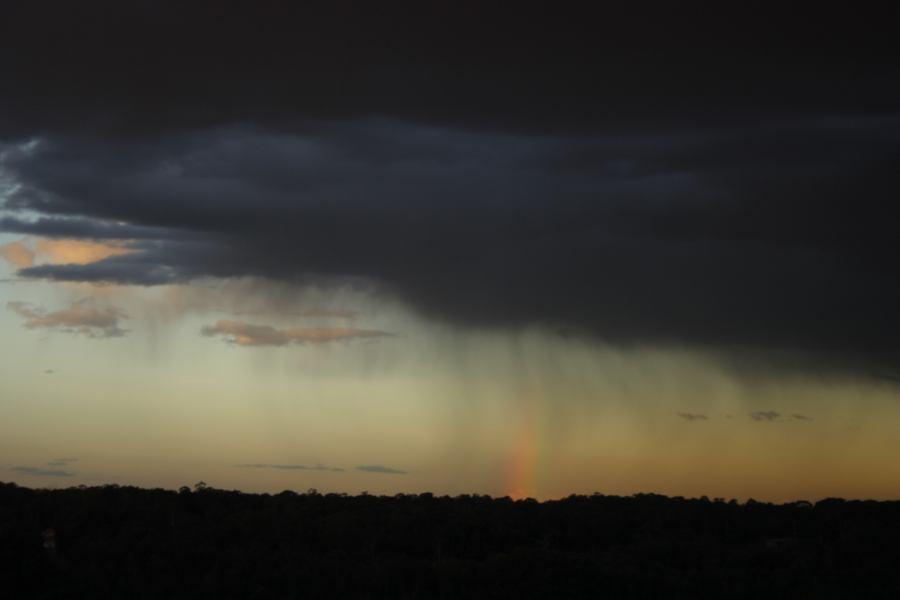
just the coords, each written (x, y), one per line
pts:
(109, 541)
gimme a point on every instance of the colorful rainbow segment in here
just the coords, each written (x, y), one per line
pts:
(521, 470)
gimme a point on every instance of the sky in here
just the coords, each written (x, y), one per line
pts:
(450, 247)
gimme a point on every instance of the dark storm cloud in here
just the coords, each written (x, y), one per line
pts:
(141, 268)
(133, 68)
(78, 228)
(662, 175)
(380, 469)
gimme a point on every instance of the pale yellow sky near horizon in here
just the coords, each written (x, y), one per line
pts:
(152, 401)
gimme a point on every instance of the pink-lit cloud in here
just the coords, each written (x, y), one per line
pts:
(17, 254)
(28, 252)
(80, 318)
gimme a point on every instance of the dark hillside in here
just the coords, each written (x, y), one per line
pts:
(126, 542)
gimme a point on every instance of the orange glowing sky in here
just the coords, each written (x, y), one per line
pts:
(171, 385)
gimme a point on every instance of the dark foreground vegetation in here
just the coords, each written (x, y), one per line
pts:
(126, 542)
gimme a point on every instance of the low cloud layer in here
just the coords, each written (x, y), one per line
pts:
(380, 469)
(765, 415)
(289, 467)
(42, 472)
(693, 416)
(80, 318)
(247, 334)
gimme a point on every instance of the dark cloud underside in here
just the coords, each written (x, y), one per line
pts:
(655, 175)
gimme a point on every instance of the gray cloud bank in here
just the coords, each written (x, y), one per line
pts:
(624, 183)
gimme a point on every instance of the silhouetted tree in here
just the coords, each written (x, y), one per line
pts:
(114, 541)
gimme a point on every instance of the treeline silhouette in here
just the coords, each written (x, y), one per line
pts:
(128, 542)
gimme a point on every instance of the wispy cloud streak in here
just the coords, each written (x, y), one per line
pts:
(765, 415)
(380, 469)
(42, 472)
(248, 334)
(290, 467)
(693, 416)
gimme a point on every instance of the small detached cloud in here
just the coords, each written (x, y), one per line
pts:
(247, 334)
(799, 417)
(380, 469)
(61, 462)
(42, 472)
(290, 467)
(78, 318)
(693, 416)
(765, 415)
